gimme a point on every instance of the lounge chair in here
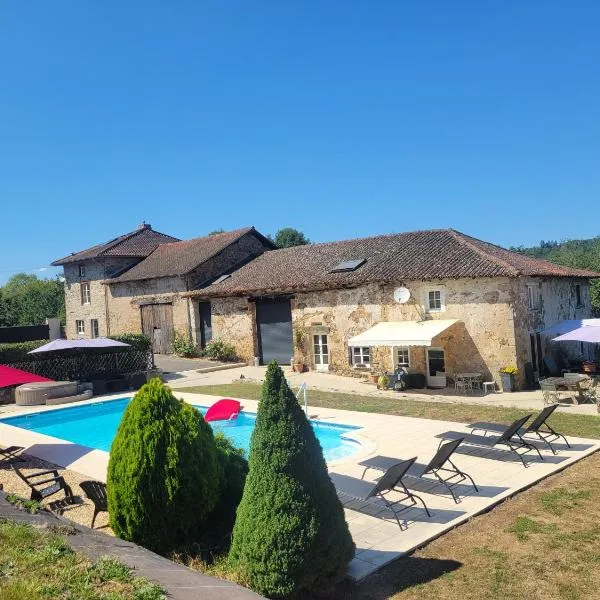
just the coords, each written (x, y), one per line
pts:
(351, 488)
(440, 462)
(96, 492)
(11, 453)
(509, 437)
(225, 409)
(40, 490)
(539, 426)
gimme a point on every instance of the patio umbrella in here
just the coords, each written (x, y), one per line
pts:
(10, 376)
(57, 345)
(587, 333)
(569, 325)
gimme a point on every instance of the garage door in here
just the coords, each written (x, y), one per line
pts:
(274, 327)
(157, 324)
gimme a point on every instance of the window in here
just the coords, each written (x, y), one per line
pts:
(80, 326)
(81, 270)
(401, 357)
(85, 293)
(361, 357)
(94, 328)
(578, 301)
(348, 266)
(532, 297)
(434, 300)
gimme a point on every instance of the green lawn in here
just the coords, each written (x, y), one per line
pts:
(577, 425)
(39, 565)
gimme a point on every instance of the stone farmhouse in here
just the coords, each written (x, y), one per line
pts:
(436, 302)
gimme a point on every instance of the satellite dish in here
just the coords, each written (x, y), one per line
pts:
(401, 295)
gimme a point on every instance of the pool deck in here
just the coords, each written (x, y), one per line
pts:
(378, 538)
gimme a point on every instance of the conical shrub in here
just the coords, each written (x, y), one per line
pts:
(163, 474)
(290, 532)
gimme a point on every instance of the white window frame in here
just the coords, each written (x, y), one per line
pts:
(442, 298)
(80, 326)
(94, 333)
(81, 271)
(85, 297)
(395, 352)
(358, 358)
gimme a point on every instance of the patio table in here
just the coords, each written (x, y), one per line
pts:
(473, 378)
(571, 384)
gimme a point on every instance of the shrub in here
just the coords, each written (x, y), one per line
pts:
(183, 346)
(138, 341)
(163, 475)
(14, 352)
(218, 350)
(290, 531)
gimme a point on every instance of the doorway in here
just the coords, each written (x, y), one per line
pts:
(157, 324)
(321, 351)
(436, 368)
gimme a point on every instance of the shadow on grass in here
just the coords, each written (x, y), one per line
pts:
(400, 575)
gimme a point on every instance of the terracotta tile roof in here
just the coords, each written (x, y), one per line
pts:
(418, 255)
(138, 243)
(179, 258)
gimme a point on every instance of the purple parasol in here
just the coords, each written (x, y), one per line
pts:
(581, 334)
(75, 344)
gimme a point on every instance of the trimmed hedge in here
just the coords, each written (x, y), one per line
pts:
(290, 533)
(18, 351)
(163, 473)
(138, 341)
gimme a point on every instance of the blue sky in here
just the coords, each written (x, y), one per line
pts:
(340, 118)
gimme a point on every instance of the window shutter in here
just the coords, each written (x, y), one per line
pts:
(349, 355)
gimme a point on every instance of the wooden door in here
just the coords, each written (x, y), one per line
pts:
(157, 324)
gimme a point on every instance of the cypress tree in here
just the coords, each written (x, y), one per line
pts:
(163, 473)
(290, 532)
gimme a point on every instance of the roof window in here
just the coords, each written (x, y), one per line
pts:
(348, 265)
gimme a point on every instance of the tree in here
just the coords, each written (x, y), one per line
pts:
(288, 237)
(27, 300)
(163, 474)
(216, 231)
(290, 533)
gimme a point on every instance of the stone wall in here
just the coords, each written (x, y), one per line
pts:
(95, 272)
(484, 340)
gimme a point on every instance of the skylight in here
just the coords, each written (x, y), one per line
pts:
(348, 265)
(220, 279)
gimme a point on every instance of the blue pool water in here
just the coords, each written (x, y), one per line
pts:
(95, 426)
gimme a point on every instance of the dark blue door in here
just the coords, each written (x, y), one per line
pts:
(274, 328)
(205, 323)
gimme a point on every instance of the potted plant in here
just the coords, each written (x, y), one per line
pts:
(299, 365)
(507, 376)
(383, 382)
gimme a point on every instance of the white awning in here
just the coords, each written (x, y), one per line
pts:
(402, 333)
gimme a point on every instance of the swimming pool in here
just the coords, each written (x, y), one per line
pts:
(95, 425)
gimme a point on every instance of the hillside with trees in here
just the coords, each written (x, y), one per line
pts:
(583, 254)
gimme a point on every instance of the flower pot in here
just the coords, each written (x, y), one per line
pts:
(508, 382)
(589, 367)
(299, 367)
(374, 378)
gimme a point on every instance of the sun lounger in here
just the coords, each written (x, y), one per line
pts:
(50, 484)
(439, 463)
(351, 488)
(539, 426)
(510, 437)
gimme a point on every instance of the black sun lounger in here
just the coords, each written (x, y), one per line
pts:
(510, 437)
(351, 488)
(50, 484)
(539, 426)
(439, 463)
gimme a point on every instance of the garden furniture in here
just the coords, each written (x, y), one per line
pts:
(11, 453)
(96, 492)
(50, 484)
(439, 463)
(350, 488)
(510, 437)
(539, 426)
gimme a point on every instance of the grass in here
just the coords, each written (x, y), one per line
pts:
(37, 564)
(577, 425)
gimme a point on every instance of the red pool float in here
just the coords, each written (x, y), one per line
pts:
(223, 410)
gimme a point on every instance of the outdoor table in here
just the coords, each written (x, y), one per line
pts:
(570, 384)
(474, 378)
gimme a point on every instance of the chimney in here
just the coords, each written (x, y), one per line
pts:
(145, 225)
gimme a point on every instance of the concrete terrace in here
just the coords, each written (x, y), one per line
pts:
(498, 474)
